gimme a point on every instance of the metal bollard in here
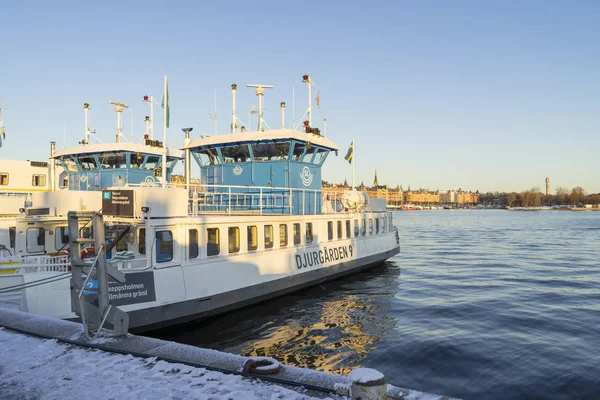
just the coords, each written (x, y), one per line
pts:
(367, 384)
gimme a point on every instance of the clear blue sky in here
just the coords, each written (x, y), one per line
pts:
(470, 94)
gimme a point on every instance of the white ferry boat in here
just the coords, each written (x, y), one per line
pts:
(256, 226)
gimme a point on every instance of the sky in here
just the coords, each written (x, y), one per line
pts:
(439, 95)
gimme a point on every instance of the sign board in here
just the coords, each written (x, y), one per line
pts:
(117, 203)
(137, 288)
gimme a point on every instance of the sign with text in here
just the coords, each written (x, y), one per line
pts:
(137, 288)
(117, 203)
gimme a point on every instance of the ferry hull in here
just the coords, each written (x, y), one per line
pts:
(154, 318)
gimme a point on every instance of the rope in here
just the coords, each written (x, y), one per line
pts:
(39, 282)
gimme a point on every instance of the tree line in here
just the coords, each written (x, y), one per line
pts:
(535, 198)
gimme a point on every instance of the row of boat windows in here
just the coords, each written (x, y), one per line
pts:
(260, 152)
(112, 160)
(164, 239)
(36, 179)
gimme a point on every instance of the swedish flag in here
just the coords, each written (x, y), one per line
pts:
(350, 153)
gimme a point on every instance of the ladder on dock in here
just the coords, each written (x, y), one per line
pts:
(89, 278)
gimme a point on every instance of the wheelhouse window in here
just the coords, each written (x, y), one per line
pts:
(113, 160)
(252, 238)
(297, 234)
(164, 246)
(61, 237)
(356, 228)
(87, 163)
(320, 156)
(208, 157)
(3, 178)
(309, 154)
(36, 240)
(370, 226)
(193, 244)
(283, 235)
(329, 230)
(348, 233)
(151, 163)
(309, 232)
(213, 247)
(233, 234)
(339, 229)
(235, 153)
(270, 151)
(142, 241)
(298, 151)
(38, 180)
(269, 241)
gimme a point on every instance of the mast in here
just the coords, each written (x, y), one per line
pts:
(119, 107)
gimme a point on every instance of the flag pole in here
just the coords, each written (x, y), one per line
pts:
(353, 161)
(164, 155)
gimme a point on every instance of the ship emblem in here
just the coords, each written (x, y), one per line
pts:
(237, 170)
(83, 178)
(306, 175)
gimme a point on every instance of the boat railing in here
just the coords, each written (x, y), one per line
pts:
(18, 265)
(231, 199)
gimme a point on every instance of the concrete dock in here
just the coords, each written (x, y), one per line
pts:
(231, 376)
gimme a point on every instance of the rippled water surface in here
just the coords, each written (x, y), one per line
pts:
(479, 305)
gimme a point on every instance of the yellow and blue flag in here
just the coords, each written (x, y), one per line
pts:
(350, 153)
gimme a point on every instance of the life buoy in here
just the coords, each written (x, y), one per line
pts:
(65, 252)
(88, 251)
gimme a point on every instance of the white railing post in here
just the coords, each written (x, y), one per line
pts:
(260, 201)
(290, 201)
(229, 201)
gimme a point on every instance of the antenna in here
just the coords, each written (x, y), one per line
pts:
(150, 120)
(86, 111)
(260, 92)
(119, 107)
(213, 116)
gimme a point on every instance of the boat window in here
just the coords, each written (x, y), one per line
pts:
(297, 234)
(213, 247)
(235, 153)
(391, 222)
(12, 234)
(208, 157)
(309, 232)
(36, 240)
(3, 178)
(234, 239)
(283, 236)
(363, 227)
(329, 230)
(87, 163)
(193, 244)
(164, 246)
(151, 162)
(383, 222)
(348, 233)
(142, 241)
(61, 237)
(370, 226)
(136, 160)
(339, 229)
(320, 156)
(269, 236)
(113, 160)
(38, 180)
(376, 225)
(270, 151)
(309, 154)
(298, 151)
(252, 238)
(68, 162)
(355, 228)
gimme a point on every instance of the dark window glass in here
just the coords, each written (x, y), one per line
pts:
(213, 246)
(193, 252)
(164, 246)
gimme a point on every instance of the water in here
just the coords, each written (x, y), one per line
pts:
(478, 305)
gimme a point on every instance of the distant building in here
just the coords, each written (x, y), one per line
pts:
(547, 186)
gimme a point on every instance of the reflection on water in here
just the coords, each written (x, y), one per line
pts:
(332, 327)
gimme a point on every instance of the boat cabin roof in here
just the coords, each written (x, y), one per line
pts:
(117, 147)
(260, 136)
